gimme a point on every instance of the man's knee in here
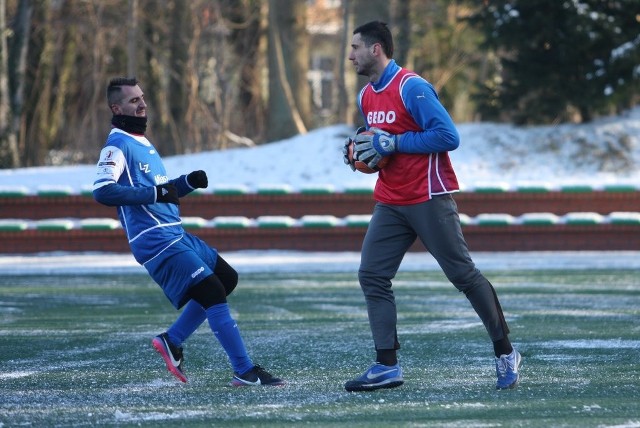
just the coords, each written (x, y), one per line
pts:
(208, 292)
(466, 280)
(227, 275)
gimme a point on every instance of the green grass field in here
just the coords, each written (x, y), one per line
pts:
(75, 351)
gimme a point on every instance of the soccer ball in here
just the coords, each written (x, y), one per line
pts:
(361, 166)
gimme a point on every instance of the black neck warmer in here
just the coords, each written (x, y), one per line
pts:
(130, 124)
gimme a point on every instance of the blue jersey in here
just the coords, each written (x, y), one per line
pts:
(128, 171)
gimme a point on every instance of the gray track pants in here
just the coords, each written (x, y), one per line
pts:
(392, 230)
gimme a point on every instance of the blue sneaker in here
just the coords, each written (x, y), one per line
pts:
(377, 377)
(507, 370)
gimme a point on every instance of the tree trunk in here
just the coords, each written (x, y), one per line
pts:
(41, 57)
(284, 117)
(345, 96)
(8, 133)
(178, 77)
(247, 40)
(401, 25)
(132, 39)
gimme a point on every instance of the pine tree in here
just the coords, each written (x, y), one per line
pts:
(561, 60)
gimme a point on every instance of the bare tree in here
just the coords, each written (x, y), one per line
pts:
(8, 117)
(246, 20)
(401, 22)
(285, 70)
(345, 98)
(132, 39)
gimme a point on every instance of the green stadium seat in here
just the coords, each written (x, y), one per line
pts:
(491, 188)
(13, 191)
(319, 221)
(275, 221)
(465, 220)
(231, 222)
(584, 218)
(494, 220)
(55, 224)
(317, 189)
(620, 188)
(274, 189)
(357, 220)
(193, 222)
(86, 190)
(99, 224)
(230, 190)
(534, 188)
(55, 191)
(538, 219)
(200, 192)
(619, 217)
(576, 188)
(359, 189)
(9, 225)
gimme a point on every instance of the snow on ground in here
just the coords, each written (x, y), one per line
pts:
(606, 151)
(293, 261)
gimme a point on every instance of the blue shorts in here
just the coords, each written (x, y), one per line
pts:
(182, 265)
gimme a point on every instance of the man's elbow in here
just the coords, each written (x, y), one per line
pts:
(100, 196)
(453, 140)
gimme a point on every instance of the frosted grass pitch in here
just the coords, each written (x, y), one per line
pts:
(76, 352)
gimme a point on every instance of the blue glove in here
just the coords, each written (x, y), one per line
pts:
(371, 147)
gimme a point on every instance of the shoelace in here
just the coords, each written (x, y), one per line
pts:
(260, 372)
(502, 364)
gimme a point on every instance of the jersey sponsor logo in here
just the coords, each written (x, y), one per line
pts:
(198, 272)
(109, 155)
(375, 117)
(161, 179)
(111, 163)
(144, 167)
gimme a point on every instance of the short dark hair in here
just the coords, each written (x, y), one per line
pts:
(114, 88)
(377, 32)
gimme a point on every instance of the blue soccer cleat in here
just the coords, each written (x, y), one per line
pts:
(171, 354)
(378, 376)
(507, 370)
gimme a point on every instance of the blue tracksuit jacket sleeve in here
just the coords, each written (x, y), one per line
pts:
(114, 195)
(183, 185)
(439, 133)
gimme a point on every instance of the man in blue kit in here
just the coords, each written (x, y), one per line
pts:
(132, 177)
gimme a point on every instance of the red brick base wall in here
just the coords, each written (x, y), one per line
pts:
(480, 238)
(338, 204)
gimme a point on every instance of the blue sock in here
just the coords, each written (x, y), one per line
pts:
(227, 333)
(189, 320)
